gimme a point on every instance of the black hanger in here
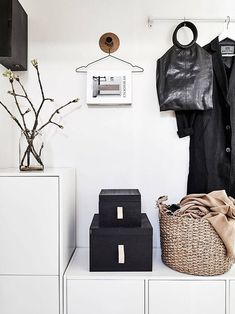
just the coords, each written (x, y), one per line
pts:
(136, 68)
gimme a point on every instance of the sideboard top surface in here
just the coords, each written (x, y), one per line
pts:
(15, 172)
(79, 269)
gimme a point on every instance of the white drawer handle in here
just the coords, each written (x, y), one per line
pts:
(119, 212)
(121, 254)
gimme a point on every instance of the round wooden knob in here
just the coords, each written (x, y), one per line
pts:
(109, 42)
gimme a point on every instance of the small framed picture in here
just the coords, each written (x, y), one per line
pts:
(109, 87)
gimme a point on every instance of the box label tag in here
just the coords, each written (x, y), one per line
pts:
(121, 254)
(119, 212)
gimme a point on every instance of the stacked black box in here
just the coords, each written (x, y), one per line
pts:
(120, 208)
(120, 236)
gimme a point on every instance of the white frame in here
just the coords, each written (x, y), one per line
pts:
(121, 93)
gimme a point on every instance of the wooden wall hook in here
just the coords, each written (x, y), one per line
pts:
(109, 42)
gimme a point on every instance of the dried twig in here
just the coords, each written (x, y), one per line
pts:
(30, 134)
(12, 116)
(26, 95)
(18, 107)
(57, 111)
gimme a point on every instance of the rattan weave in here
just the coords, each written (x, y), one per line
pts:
(191, 245)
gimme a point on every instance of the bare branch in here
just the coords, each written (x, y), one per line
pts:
(40, 151)
(27, 111)
(18, 106)
(31, 134)
(40, 83)
(26, 96)
(35, 64)
(59, 125)
(14, 94)
(31, 150)
(13, 117)
(56, 112)
(50, 99)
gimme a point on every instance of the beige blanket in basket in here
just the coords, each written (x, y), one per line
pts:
(219, 209)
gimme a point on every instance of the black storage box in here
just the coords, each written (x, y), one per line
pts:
(120, 208)
(121, 249)
(14, 35)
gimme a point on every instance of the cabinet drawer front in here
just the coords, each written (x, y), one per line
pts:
(105, 296)
(29, 225)
(186, 297)
(29, 295)
(232, 297)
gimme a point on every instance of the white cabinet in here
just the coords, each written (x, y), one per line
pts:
(232, 297)
(162, 291)
(29, 225)
(29, 295)
(186, 297)
(37, 232)
(105, 296)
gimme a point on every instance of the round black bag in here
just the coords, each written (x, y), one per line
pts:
(184, 75)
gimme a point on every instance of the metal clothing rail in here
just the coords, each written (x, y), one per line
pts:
(227, 20)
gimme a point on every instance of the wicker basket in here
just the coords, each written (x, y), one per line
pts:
(191, 245)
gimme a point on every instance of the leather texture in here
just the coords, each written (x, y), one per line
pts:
(184, 79)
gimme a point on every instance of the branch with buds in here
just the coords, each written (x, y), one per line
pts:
(30, 134)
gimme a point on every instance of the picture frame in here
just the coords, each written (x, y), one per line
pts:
(109, 87)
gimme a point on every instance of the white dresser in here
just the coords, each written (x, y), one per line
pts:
(163, 291)
(37, 239)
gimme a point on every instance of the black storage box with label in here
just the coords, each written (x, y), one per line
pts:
(120, 208)
(121, 249)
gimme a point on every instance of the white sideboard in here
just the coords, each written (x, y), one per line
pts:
(232, 297)
(37, 232)
(163, 291)
(187, 296)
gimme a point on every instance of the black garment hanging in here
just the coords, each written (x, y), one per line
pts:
(212, 132)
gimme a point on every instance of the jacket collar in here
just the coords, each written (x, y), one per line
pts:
(219, 66)
(215, 44)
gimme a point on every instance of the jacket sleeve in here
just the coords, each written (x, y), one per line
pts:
(185, 122)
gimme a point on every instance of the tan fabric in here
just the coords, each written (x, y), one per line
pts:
(219, 209)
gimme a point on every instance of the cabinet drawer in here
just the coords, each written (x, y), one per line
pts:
(232, 297)
(29, 295)
(29, 225)
(105, 296)
(184, 297)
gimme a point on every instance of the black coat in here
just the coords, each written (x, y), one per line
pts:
(212, 132)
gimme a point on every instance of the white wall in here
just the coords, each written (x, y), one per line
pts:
(126, 147)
